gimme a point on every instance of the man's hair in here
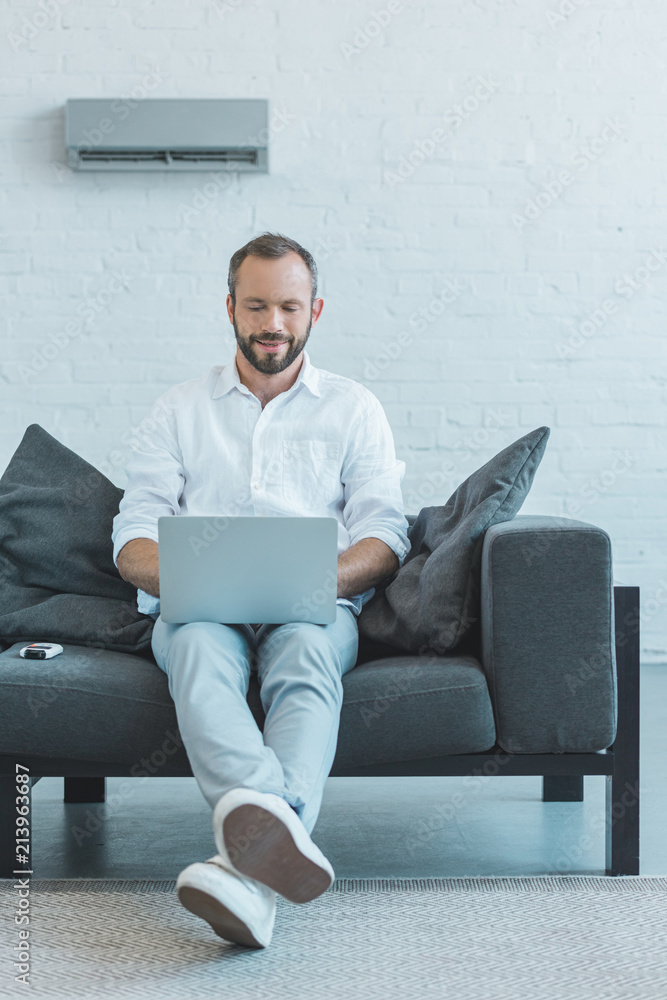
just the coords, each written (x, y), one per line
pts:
(270, 246)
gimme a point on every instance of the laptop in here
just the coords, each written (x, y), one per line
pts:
(233, 569)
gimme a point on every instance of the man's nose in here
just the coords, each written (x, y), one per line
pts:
(273, 322)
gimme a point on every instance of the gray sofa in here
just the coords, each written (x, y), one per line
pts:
(547, 683)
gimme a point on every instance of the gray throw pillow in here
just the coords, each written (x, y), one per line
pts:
(433, 600)
(58, 581)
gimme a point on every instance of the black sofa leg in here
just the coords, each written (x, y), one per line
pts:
(85, 789)
(622, 794)
(12, 845)
(563, 788)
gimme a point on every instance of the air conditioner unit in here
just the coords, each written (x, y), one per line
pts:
(167, 134)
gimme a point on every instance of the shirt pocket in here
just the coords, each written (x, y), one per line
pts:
(311, 472)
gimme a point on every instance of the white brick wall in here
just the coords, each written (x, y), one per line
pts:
(544, 197)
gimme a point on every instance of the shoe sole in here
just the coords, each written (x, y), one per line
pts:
(225, 923)
(272, 856)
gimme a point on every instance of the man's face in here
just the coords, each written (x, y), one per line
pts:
(273, 313)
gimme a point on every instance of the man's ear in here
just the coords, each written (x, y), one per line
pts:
(318, 305)
(230, 308)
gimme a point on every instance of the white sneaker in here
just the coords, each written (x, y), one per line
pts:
(260, 836)
(238, 909)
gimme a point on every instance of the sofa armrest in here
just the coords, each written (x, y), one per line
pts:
(547, 623)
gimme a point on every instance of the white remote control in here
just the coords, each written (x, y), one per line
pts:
(40, 650)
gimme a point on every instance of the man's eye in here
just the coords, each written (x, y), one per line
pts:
(255, 309)
(291, 309)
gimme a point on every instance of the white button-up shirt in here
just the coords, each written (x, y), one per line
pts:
(323, 448)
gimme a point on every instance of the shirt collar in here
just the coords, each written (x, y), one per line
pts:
(229, 377)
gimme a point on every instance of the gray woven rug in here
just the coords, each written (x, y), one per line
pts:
(542, 938)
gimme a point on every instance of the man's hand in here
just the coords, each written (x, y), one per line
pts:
(138, 564)
(364, 565)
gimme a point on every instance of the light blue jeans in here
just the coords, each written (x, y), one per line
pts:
(299, 668)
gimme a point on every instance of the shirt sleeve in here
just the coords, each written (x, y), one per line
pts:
(155, 477)
(371, 478)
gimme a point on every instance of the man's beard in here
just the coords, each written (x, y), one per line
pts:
(270, 364)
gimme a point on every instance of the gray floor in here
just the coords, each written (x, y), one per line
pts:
(369, 827)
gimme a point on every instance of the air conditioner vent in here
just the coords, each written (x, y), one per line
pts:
(168, 156)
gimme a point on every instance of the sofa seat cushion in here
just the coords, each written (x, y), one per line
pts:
(409, 707)
(88, 704)
(103, 705)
